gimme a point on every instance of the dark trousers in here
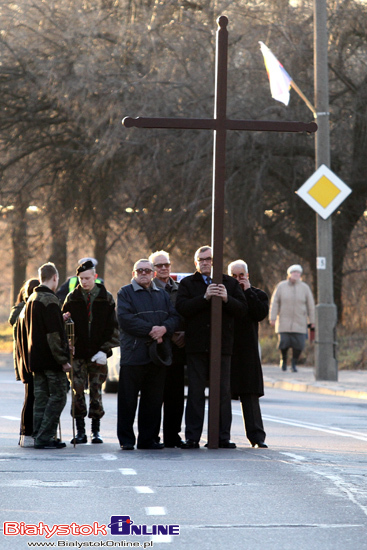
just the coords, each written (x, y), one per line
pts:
(149, 380)
(173, 403)
(198, 374)
(26, 419)
(252, 418)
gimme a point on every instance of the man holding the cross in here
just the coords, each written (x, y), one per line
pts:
(193, 303)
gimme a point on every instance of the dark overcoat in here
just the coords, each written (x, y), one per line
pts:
(246, 371)
(196, 310)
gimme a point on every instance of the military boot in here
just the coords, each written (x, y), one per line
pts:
(80, 436)
(95, 437)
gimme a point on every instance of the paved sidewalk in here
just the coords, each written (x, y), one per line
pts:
(351, 383)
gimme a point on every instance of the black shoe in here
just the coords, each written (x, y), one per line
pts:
(54, 444)
(173, 444)
(127, 447)
(190, 444)
(283, 365)
(227, 444)
(95, 437)
(80, 436)
(294, 368)
(259, 445)
(153, 446)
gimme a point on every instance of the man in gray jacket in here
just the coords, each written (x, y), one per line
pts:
(145, 316)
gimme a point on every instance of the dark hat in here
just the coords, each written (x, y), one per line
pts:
(161, 354)
(84, 267)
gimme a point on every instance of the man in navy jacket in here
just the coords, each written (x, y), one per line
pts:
(145, 314)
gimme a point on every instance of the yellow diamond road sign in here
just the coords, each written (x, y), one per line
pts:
(324, 191)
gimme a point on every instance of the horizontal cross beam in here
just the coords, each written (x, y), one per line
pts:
(218, 124)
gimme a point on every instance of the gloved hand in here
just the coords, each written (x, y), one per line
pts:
(100, 358)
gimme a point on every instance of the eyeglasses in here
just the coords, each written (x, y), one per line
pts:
(142, 270)
(201, 260)
(239, 275)
(162, 265)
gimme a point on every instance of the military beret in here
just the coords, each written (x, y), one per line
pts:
(84, 267)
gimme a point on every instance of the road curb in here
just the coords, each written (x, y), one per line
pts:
(313, 388)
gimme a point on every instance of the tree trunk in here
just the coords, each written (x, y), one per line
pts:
(19, 244)
(100, 245)
(59, 237)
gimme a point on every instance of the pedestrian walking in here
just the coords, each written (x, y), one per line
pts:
(292, 307)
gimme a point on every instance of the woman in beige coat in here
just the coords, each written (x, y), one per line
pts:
(292, 307)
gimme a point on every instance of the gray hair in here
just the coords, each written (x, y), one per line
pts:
(239, 263)
(143, 260)
(157, 253)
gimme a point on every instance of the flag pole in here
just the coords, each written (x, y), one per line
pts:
(302, 95)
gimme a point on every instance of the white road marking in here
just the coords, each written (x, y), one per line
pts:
(346, 488)
(142, 489)
(155, 511)
(109, 457)
(310, 426)
(39, 483)
(295, 457)
(127, 471)
(11, 418)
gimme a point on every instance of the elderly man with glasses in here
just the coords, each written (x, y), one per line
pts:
(145, 315)
(193, 303)
(173, 401)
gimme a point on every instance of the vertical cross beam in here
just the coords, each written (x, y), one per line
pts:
(219, 168)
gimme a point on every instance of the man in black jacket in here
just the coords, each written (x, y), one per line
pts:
(47, 357)
(246, 372)
(193, 303)
(92, 308)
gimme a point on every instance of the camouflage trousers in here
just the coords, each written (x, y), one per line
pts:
(84, 371)
(50, 388)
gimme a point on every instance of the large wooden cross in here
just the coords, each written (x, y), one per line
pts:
(220, 124)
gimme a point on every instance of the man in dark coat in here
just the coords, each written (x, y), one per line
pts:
(92, 308)
(246, 372)
(193, 303)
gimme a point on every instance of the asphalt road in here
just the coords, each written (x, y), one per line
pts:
(308, 490)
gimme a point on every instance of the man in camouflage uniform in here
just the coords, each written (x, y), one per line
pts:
(47, 357)
(92, 310)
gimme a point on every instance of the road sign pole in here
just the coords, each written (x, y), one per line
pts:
(326, 367)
